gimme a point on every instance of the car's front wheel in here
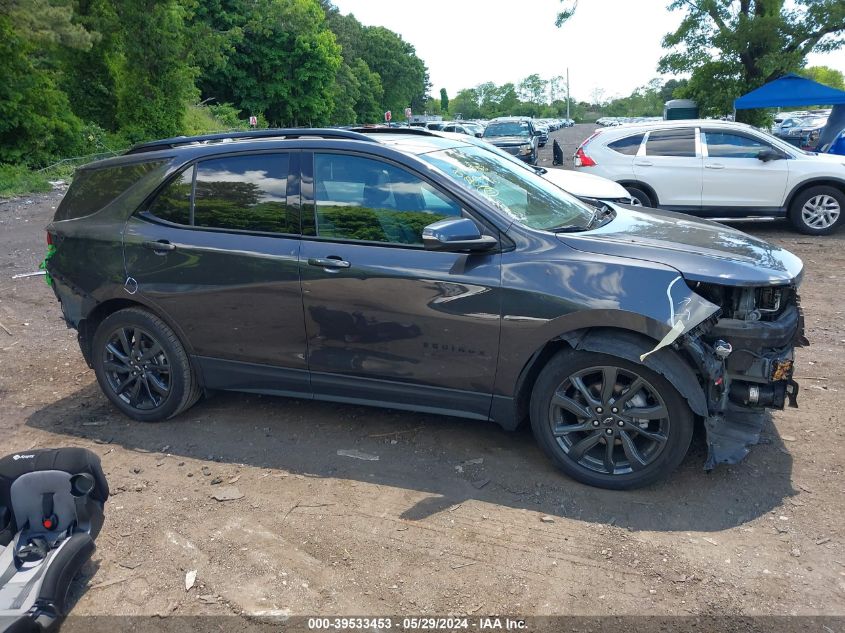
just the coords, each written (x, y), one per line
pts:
(817, 210)
(142, 367)
(608, 422)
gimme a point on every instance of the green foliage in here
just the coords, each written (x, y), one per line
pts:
(86, 76)
(824, 75)
(89, 74)
(206, 119)
(731, 47)
(284, 66)
(154, 79)
(403, 75)
(444, 100)
(36, 122)
(16, 180)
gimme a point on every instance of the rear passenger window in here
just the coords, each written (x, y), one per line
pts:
(173, 204)
(363, 199)
(92, 189)
(245, 193)
(629, 145)
(679, 143)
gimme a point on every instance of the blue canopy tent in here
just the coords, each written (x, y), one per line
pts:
(794, 91)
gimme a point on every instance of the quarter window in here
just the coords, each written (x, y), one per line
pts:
(629, 145)
(363, 199)
(678, 143)
(726, 145)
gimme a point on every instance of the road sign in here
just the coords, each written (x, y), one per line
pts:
(408, 113)
(387, 116)
(253, 121)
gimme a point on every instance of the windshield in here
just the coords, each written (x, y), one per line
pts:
(509, 128)
(520, 193)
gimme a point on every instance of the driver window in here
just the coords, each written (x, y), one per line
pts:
(730, 145)
(364, 199)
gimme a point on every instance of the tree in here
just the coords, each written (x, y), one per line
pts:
(37, 123)
(465, 103)
(824, 75)
(444, 100)
(89, 74)
(404, 76)
(533, 89)
(154, 81)
(733, 46)
(285, 65)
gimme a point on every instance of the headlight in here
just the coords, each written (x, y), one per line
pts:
(525, 149)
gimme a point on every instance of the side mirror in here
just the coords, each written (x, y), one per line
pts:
(456, 235)
(478, 135)
(766, 155)
(537, 133)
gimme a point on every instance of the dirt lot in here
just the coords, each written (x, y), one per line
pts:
(454, 517)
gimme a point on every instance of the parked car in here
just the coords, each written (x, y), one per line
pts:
(461, 127)
(415, 272)
(543, 134)
(515, 135)
(802, 132)
(586, 187)
(719, 169)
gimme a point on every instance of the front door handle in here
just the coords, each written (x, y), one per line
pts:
(328, 262)
(714, 166)
(160, 246)
(644, 163)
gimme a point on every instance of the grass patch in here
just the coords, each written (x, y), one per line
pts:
(17, 180)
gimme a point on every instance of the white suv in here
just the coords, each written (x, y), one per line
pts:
(719, 169)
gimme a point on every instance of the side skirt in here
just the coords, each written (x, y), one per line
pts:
(229, 375)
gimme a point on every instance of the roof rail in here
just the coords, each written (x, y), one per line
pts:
(289, 133)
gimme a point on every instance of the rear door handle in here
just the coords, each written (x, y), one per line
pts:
(160, 246)
(714, 166)
(644, 163)
(328, 262)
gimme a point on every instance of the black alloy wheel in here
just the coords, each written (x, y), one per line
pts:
(136, 368)
(142, 366)
(609, 422)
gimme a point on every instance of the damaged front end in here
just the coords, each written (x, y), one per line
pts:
(744, 353)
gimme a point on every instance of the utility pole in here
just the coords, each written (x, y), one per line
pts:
(567, 92)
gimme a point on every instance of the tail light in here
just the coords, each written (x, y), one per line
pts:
(582, 160)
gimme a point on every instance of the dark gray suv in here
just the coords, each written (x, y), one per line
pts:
(406, 270)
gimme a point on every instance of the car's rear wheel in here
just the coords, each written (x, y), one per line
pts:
(817, 210)
(640, 197)
(142, 367)
(608, 422)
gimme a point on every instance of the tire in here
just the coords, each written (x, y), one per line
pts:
(644, 450)
(817, 210)
(640, 196)
(163, 384)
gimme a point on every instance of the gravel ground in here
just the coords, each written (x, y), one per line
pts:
(454, 517)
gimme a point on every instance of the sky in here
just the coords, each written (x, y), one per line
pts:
(609, 45)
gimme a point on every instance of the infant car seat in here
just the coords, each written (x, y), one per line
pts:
(51, 510)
